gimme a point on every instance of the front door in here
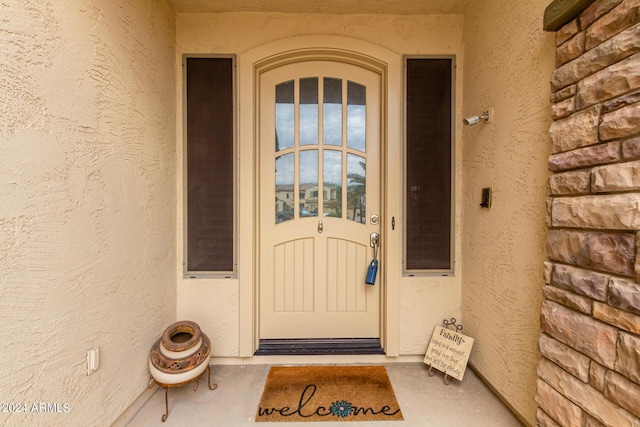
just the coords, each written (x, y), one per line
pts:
(319, 184)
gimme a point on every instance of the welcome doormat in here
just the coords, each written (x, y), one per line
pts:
(328, 393)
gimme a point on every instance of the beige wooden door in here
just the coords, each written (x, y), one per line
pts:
(319, 183)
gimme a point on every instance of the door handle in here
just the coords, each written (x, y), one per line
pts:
(320, 227)
(372, 271)
(374, 240)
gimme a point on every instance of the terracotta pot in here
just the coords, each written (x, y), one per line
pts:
(181, 336)
(180, 355)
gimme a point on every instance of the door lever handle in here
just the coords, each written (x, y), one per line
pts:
(374, 240)
(372, 271)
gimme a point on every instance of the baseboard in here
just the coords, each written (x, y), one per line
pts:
(500, 397)
(133, 409)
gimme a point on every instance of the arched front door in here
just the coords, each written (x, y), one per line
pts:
(320, 200)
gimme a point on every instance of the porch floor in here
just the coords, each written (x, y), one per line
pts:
(425, 401)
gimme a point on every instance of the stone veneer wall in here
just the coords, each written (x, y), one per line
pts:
(589, 374)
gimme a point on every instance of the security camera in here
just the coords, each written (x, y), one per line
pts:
(486, 116)
(471, 120)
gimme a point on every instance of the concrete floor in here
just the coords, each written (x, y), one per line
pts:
(425, 401)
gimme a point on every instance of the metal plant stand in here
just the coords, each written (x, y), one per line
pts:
(166, 387)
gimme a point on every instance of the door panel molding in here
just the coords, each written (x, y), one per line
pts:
(293, 288)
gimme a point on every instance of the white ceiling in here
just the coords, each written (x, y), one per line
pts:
(324, 6)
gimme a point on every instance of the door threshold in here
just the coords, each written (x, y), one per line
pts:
(319, 346)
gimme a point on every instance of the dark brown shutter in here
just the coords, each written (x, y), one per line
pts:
(428, 163)
(209, 163)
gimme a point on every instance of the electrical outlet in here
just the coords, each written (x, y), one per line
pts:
(93, 360)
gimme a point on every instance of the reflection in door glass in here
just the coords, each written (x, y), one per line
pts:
(285, 196)
(285, 124)
(309, 111)
(332, 183)
(308, 183)
(356, 116)
(332, 123)
(356, 186)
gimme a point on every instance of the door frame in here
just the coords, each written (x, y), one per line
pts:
(266, 57)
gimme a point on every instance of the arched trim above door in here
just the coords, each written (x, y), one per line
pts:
(321, 54)
(286, 51)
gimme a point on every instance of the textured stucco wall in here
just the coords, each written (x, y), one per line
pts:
(507, 67)
(424, 302)
(87, 202)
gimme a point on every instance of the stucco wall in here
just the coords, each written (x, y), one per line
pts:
(507, 67)
(424, 302)
(87, 203)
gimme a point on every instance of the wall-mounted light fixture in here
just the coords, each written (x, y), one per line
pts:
(486, 116)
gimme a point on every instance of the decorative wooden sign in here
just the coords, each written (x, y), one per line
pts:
(448, 352)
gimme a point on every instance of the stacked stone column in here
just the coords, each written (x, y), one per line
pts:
(589, 374)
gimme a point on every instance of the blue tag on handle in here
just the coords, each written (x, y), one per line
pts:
(372, 272)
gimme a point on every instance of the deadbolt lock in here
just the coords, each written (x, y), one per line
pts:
(375, 219)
